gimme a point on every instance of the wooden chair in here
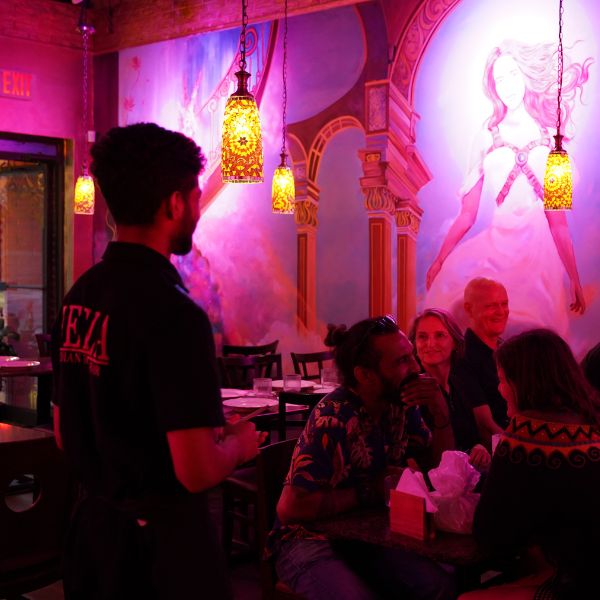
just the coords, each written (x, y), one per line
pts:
(303, 361)
(297, 421)
(272, 465)
(32, 540)
(43, 343)
(239, 371)
(229, 349)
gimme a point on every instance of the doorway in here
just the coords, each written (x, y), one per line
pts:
(31, 252)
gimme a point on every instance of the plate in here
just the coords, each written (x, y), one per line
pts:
(20, 364)
(304, 384)
(324, 389)
(250, 403)
(6, 359)
(232, 393)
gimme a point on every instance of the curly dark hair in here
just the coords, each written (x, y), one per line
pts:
(545, 374)
(354, 347)
(137, 167)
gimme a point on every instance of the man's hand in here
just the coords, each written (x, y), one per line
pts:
(248, 439)
(480, 458)
(425, 391)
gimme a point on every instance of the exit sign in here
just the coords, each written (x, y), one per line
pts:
(15, 84)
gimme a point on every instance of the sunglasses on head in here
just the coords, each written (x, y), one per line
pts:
(385, 324)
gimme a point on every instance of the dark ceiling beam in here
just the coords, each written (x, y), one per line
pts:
(137, 22)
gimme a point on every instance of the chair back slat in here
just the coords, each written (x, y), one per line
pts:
(239, 371)
(309, 365)
(299, 421)
(231, 350)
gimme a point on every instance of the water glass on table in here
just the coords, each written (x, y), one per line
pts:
(262, 386)
(329, 377)
(292, 383)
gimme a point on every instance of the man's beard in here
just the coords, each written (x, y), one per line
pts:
(391, 392)
(182, 244)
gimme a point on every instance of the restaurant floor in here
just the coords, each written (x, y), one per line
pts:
(244, 569)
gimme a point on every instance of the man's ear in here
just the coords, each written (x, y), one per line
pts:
(468, 308)
(174, 205)
(363, 375)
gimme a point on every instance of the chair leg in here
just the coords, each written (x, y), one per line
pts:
(228, 505)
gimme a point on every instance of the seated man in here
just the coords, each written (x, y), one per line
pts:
(353, 438)
(486, 304)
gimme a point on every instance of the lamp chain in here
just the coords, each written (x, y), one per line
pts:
(85, 34)
(560, 65)
(242, 63)
(285, 33)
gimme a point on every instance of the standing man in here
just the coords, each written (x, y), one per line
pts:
(353, 437)
(137, 401)
(486, 304)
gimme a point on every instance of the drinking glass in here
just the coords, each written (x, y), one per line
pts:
(262, 386)
(292, 382)
(329, 377)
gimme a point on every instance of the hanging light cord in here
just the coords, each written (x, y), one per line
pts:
(85, 34)
(242, 63)
(560, 65)
(284, 70)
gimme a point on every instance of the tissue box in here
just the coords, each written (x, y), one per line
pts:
(409, 517)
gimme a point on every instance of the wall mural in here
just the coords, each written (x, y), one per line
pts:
(242, 269)
(483, 209)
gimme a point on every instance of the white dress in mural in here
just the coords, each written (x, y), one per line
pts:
(517, 249)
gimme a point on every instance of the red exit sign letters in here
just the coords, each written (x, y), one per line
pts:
(15, 84)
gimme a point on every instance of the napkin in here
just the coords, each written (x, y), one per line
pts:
(412, 482)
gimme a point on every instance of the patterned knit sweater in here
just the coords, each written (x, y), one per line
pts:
(544, 488)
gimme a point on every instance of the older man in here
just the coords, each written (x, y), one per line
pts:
(352, 436)
(486, 304)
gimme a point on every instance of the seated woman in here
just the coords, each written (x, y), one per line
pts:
(543, 486)
(438, 346)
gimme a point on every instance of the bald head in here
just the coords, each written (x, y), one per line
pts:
(480, 285)
(486, 304)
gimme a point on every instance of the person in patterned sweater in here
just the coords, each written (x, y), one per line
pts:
(542, 490)
(353, 438)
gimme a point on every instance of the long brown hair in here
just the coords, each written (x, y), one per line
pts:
(545, 374)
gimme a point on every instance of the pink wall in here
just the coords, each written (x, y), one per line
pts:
(53, 111)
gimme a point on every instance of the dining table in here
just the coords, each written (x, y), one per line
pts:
(39, 367)
(372, 526)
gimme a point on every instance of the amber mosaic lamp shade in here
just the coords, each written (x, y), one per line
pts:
(242, 151)
(84, 195)
(283, 192)
(558, 179)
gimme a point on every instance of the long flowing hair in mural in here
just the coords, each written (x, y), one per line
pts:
(525, 248)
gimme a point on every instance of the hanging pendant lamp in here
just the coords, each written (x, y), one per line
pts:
(283, 193)
(558, 179)
(84, 187)
(242, 152)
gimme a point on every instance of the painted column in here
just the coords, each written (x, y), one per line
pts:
(408, 219)
(381, 205)
(393, 174)
(307, 203)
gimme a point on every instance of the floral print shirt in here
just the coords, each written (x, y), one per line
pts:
(342, 445)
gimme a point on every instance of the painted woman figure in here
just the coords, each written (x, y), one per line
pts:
(524, 247)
